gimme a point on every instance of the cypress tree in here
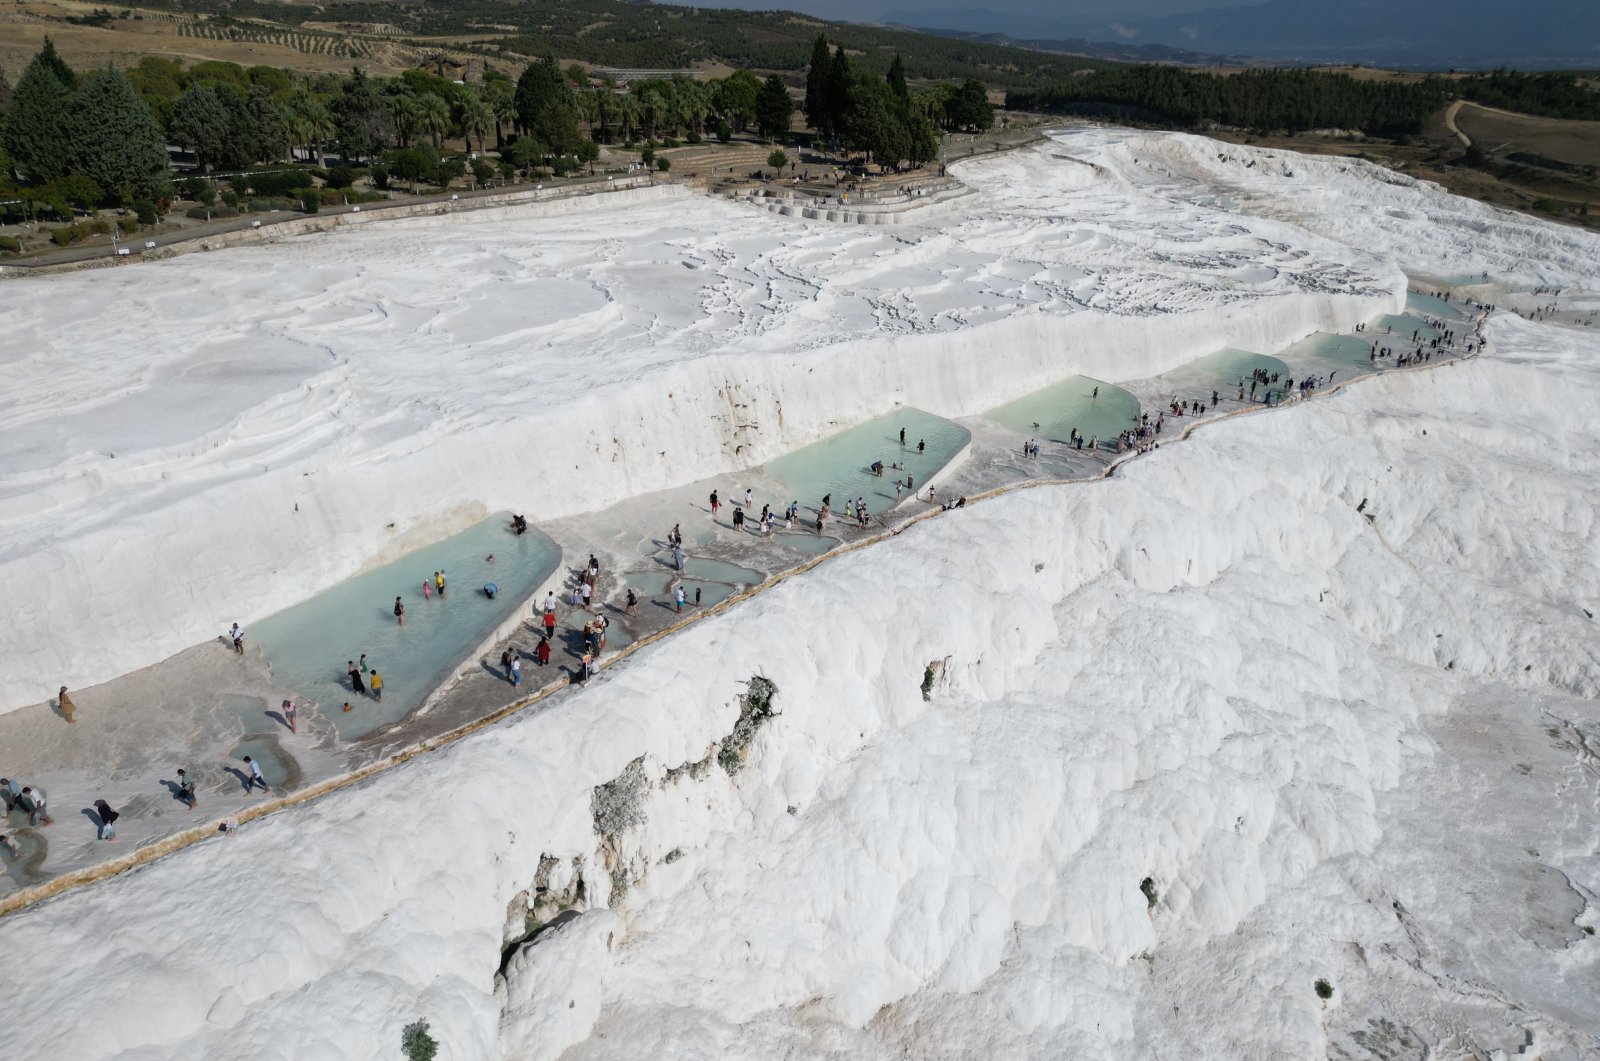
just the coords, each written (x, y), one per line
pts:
(37, 136)
(119, 145)
(837, 92)
(897, 82)
(817, 115)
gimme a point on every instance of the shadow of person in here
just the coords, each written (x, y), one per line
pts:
(176, 790)
(94, 817)
(244, 778)
(277, 716)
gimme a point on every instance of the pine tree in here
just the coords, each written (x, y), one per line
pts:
(37, 136)
(199, 122)
(57, 65)
(774, 108)
(362, 122)
(118, 143)
(817, 114)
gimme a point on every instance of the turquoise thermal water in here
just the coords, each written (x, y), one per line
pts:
(840, 465)
(1428, 306)
(308, 645)
(1066, 405)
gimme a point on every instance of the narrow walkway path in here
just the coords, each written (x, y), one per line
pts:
(1450, 123)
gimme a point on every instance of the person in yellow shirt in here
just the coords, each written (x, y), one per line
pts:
(375, 683)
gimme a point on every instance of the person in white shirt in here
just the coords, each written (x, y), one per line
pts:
(237, 636)
(35, 800)
(254, 777)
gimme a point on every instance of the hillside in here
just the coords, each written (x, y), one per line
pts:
(394, 37)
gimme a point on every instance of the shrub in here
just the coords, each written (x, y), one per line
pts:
(11, 243)
(667, 141)
(331, 196)
(379, 173)
(1151, 897)
(482, 170)
(194, 187)
(417, 1043)
(508, 170)
(61, 236)
(694, 136)
(277, 183)
(230, 198)
(198, 213)
(341, 177)
(724, 132)
(663, 164)
(451, 169)
(1324, 990)
(777, 159)
(648, 155)
(311, 202)
(129, 225)
(145, 210)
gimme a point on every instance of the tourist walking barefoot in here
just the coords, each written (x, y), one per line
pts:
(253, 777)
(186, 790)
(632, 607)
(237, 636)
(289, 713)
(68, 708)
(376, 684)
(10, 846)
(516, 672)
(108, 819)
(355, 678)
(400, 610)
(715, 505)
(541, 654)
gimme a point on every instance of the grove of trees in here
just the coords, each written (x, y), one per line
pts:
(77, 141)
(880, 116)
(1288, 100)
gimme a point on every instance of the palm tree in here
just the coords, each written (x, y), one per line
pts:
(477, 120)
(695, 102)
(589, 109)
(501, 96)
(628, 111)
(652, 108)
(433, 116)
(312, 123)
(405, 114)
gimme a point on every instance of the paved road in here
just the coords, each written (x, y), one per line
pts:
(136, 243)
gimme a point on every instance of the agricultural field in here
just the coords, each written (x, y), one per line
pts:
(1502, 133)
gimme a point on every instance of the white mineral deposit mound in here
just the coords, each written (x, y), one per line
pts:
(1203, 734)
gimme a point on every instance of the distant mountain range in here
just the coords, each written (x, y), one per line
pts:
(1434, 34)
